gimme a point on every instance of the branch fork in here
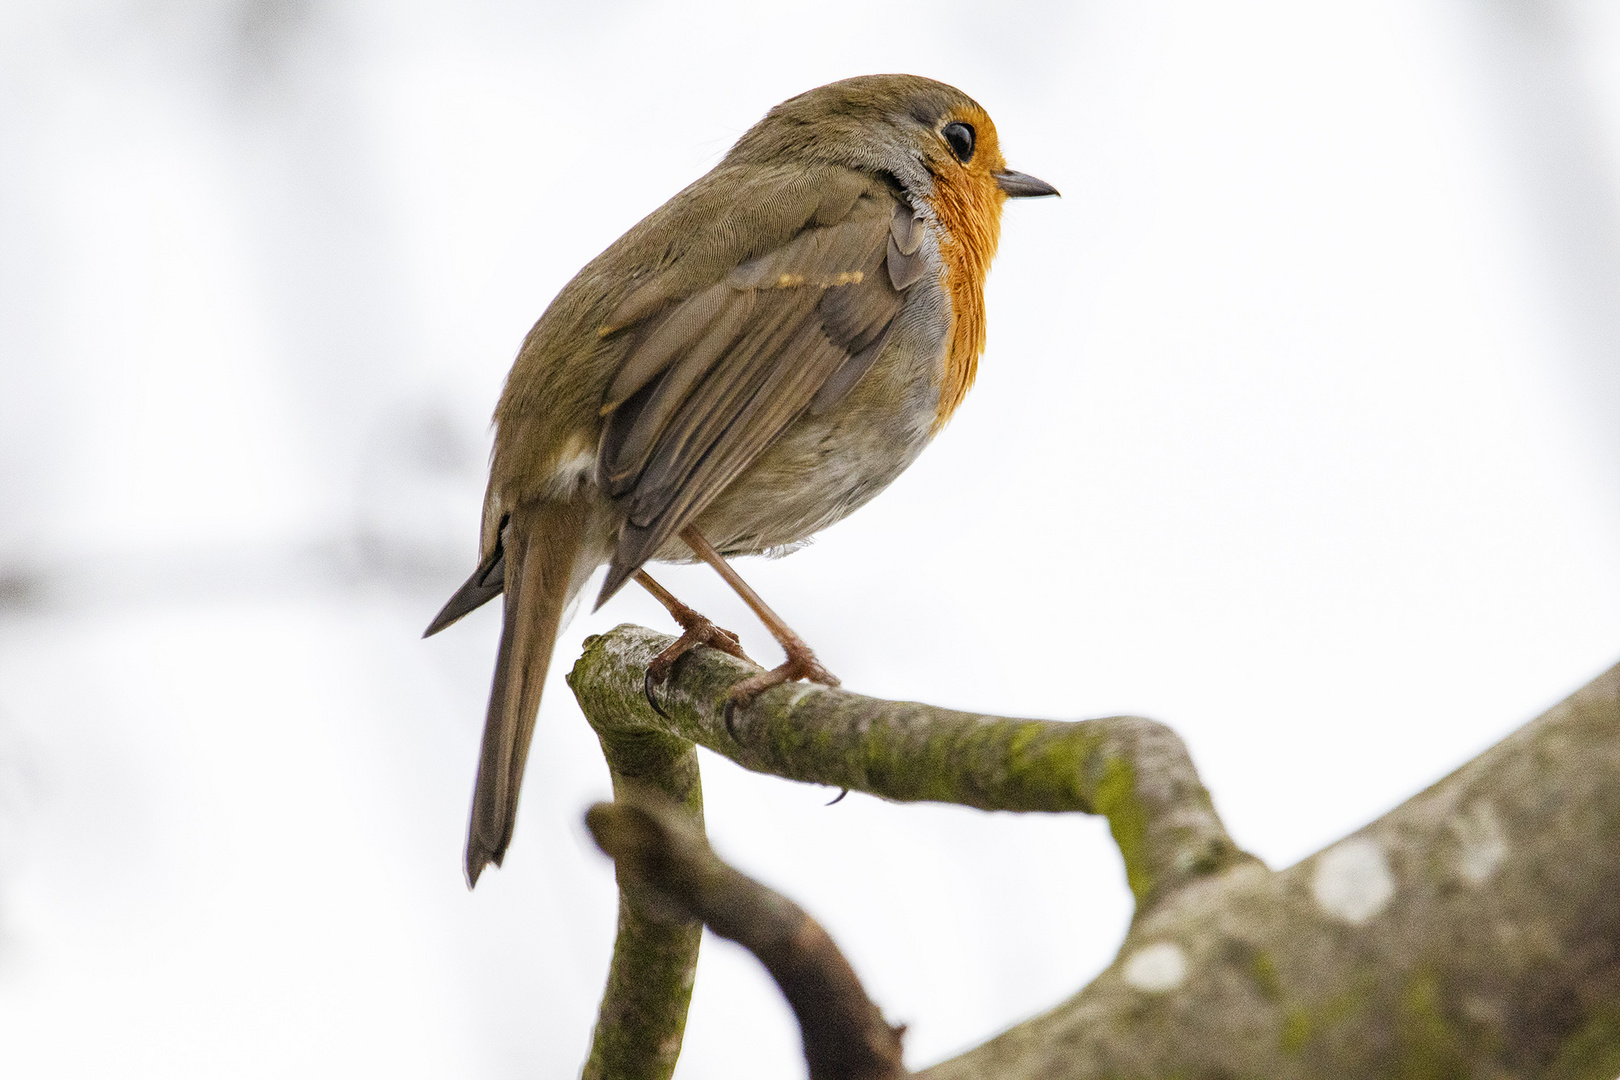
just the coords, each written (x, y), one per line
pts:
(1472, 931)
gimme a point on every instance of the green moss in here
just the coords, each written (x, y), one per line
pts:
(1299, 1023)
(1127, 820)
(1593, 1051)
(894, 766)
(1023, 735)
(1048, 770)
(649, 986)
(1296, 1031)
(1430, 1046)
(1263, 970)
(1345, 1004)
(643, 1012)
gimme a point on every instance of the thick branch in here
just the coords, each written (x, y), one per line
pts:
(1474, 931)
(1134, 771)
(643, 1012)
(845, 1036)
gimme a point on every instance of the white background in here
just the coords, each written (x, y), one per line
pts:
(1299, 429)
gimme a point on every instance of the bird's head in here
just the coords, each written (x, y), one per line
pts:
(925, 134)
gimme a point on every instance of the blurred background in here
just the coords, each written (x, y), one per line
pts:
(1299, 429)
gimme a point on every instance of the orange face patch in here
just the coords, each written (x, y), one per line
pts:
(967, 202)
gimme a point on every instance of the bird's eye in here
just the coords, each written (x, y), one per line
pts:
(960, 136)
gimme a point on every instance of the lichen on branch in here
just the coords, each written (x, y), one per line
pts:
(642, 1017)
(653, 845)
(1472, 931)
(1135, 772)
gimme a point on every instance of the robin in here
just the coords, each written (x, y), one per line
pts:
(758, 357)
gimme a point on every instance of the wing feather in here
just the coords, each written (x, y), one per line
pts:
(717, 376)
(665, 341)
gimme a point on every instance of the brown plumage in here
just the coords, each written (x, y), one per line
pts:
(751, 362)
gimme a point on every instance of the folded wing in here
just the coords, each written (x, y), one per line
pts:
(712, 378)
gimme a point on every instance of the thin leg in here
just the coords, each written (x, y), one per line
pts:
(801, 661)
(695, 630)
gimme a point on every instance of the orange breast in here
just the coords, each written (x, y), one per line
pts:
(969, 209)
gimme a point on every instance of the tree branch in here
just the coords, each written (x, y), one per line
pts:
(1474, 931)
(845, 1036)
(643, 1012)
(1136, 772)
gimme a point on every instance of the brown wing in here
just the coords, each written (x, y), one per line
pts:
(713, 379)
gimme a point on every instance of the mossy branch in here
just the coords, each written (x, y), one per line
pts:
(643, 1013)
(1133, 771)
(1474, 931)
(845, 1036)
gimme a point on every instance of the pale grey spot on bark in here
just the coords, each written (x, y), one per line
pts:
(1157, 968)
(1353, 881)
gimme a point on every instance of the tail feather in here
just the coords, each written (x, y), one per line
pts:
(541, 543)
(486, 583)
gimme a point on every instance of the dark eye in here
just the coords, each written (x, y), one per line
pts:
(960, 136)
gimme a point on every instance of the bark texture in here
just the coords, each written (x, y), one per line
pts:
(1136, 772)
(643, 1013)
(1474, 931)
(845, 1035)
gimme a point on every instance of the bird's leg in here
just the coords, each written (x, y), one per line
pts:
(695, 630)
(801, 661)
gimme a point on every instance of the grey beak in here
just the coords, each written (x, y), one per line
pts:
(1019, 185)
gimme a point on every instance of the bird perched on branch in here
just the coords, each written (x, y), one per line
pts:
(758, 357)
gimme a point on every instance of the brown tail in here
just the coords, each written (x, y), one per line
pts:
(540, 542)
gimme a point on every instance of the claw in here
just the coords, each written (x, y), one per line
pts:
(839, 797)
(696, 630)
(647, 685)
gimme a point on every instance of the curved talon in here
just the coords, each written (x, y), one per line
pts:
(731, 717)
(839, 797)
(696, 630)
(647, 685)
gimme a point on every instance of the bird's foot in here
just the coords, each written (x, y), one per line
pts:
(696, 630)
(801, 664)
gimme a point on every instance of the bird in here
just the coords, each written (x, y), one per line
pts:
(754, 360)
